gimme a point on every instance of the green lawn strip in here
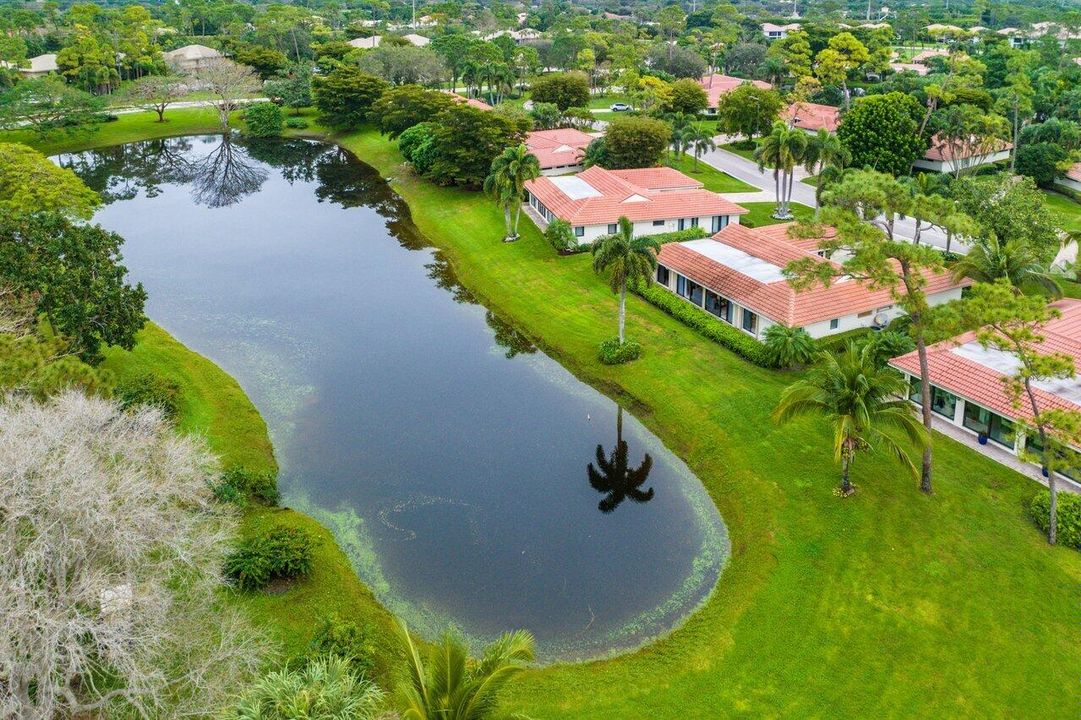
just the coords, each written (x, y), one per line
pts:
(215, 406)
(888, 604)
(1066, 211)
(711, 177)
(737, 148)
(761, 213)
(126, 128)
(829, 606)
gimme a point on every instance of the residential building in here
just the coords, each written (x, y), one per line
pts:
(738, 275)
(518, 36)
(374, 41)
(471, 102)
(923, 57)
(656, 200)
(778, 32)
(812, 117)
(1072, 179)
(717, 85)
(920, 70)
(968, 393)
(191, 57)
(558, 151)
(36, 66)
(944, 156)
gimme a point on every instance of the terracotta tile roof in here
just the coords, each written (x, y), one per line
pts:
(781, 233)
(922, 57)
(1074, 173)
(983, 384)
(812, 116)
(597, 196)
(776, 299)
(941, 151)
(920, 70)
(771, 27)
(555, 148)
(717, 85)
(471, 102)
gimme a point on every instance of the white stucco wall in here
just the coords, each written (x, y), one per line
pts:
(964, 163)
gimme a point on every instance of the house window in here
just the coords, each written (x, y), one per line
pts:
(662, 275)
(719, 222)
(680, 224)
(694, 222)
(613, 228)
(579, 231)
(658, 223)
(750, 321)
(915, 392)
(996, 427)
(719, 306)
(834, 323)
(942, 402)
(1067, 461)
(689, 289)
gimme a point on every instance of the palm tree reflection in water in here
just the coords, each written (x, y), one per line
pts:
(613, 476)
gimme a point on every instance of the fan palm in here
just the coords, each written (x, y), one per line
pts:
(863, 402)
(789, 346)
(447, 685)
(626, 259)
(511, 170)
(1014, 261)
(701, 142)
(782, 150)
(614, 477)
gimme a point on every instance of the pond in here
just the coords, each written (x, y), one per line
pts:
(472, 480)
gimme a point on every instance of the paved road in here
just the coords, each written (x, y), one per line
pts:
(746, 170)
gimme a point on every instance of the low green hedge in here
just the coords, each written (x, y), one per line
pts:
(691, 233)
(836, 343)
(716, 330)
(612, 352)
(1068, 512)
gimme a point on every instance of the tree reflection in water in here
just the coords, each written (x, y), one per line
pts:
(614, 477)
(121, 172)
(224, 176)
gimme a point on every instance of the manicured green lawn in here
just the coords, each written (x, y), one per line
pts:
(740, 148)
(888, 604)
(1065, 210)
(711, 177)
(760, 213)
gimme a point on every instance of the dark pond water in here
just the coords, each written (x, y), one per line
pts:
(471, 478)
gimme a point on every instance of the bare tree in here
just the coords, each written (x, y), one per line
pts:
(112, 551)
(156, 92)
(228, 81)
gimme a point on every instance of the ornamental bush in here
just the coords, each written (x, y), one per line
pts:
(277, 553)
(1069, 516)
(716, 330)
(613, 352)
(346, 640)
(561, 236)
(241, 485)
(150, 389)
(263, 120)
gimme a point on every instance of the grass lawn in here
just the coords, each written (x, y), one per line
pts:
(1066, 211)
(214, 405)
(711, 177)
(760, 213)
(739, 148)
(888, 604)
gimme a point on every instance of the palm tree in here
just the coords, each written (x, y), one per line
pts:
(862, 402)
(626, 259)
(781, 150)
(615, 478)
(511, 170)
(701, 142)
(681, 124)
(990, 259)
(824, 149)
(447, 685)
(789, 346)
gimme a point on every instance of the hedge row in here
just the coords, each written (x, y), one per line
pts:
(1068, 516)
(691, 233)
(716, 330)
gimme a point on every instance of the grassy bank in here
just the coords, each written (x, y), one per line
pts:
(215, 406)
(889, 604)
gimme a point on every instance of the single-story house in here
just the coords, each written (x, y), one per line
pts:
(471, 102)
(1072, 178)
(945, 156)
(738, 275)
(717, 85)
(922, 58)
(778, 32)
(191, 57)
(942, 29)
(920, 70)
(559, 151)
(1018, 38)
(967, 389)
(370, 43)
(518, 36)
(656, 200)
(812, 117)
(36, 67)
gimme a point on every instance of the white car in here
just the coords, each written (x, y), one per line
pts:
(619, 107)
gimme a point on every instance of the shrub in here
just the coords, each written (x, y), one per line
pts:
(296, 123)
(150, 389)
(837, 343)
(1069, 516)
(412, 138)
(561, 236)
(277, 553)
(613, 352)
(789, 346)
(564, 90)
(346, 640)
(716, 330)
(1040, 162)
(889, 344)
(240, 485)
(263, 119)
(635, 142)
(691, 233)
